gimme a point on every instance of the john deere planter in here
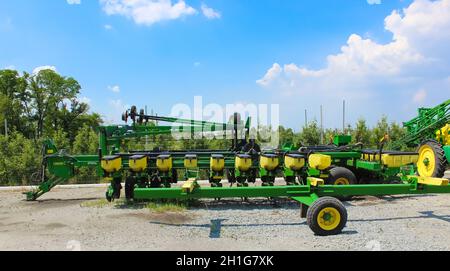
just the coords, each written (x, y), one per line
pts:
(314, 176)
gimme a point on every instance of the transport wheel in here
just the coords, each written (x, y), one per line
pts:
(326, 216)
(432, 159)
(129, 188)
(341, 176)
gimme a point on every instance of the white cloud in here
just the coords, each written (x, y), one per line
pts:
(10, 67)
(197, 64)
(374, 2)
(209, 12)
(41, 68)
(375, 74)
(147, 12)
(108, 27)
(115, 89)
(272, 74)
(74, 2)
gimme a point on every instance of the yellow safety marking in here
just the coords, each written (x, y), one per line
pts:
(316, 181)
(431, 181)
(189, 186)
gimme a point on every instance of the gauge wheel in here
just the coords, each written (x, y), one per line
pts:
(341, 176)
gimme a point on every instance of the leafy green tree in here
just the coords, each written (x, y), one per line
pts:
(11, 110)
(61, 140)
(19, 159)
(46, 93)
(361, 134)
(86, 141)
(379, 131)
(286, 135)
(310, 135)
(396, 133)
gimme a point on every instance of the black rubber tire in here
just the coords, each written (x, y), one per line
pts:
(341, 172)
(441, 160)
(317, 207)
(129, 188)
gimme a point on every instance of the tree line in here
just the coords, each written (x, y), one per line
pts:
(38, 106)
(45, 104)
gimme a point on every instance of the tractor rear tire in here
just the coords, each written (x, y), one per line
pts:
(326, 216)
(431, 151)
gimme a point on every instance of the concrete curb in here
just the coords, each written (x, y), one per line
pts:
(68, 186)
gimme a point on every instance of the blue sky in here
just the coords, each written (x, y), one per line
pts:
(126, 52)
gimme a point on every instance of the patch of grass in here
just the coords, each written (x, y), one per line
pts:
(96, 204)
(166, 207)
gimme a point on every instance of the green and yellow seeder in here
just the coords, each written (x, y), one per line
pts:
(318, 177)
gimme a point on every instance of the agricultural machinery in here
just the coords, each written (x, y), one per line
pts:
(430, 133)
(314, 176)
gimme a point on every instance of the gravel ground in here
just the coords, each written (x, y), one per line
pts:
(61, 220)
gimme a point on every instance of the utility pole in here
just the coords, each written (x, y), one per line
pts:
(6, 128)
(146, 136)
(321, 124)
(306, 118)
(343, 118)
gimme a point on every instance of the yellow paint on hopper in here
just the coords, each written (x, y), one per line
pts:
(269, 162)
(190, 161)
(164, 163)
(319, 161)
(294, 162)
(243, 162)
(217, 163)
(399, 160)
(111, 164)
(138, 163)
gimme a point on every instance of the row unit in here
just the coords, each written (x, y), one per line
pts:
(243, 162)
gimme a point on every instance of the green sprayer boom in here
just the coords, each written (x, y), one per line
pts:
(426, 124)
